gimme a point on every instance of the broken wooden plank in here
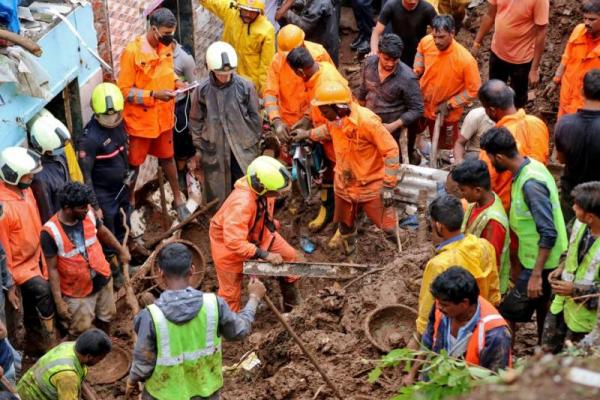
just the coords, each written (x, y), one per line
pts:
(305, 269)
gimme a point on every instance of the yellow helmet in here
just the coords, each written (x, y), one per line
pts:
(290, 37)
(107, 99)
(332, 92)
(266, 174)
(252, 5)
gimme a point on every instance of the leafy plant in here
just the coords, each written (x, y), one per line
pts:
(446, 376)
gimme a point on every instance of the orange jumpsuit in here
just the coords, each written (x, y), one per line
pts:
(581, 55)
(148, 122)
(236, 231)
(451, 75)
(533, 140)
(282, 94)
(367, 161)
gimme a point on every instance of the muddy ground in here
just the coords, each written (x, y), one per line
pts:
(332, 318)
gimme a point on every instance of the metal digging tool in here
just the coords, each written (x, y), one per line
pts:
(435, 138)
(129, 295)
(305, 269)
(300, 344)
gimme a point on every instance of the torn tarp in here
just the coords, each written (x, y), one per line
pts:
(22, 68)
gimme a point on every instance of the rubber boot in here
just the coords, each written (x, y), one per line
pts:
(335, 241)
(325, 214)
(290, 295)
(49, 332)
(349, 242)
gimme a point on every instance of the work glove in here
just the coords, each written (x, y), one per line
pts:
(132, 390)
(387, 195)
(303, 123)
(443, 108)
(299, 135)
(281, 130)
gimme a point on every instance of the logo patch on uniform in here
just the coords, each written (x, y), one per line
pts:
(107, 142)
(82, 154)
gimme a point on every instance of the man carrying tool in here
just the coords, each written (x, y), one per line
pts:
(48, 137)
(539, 236)
(367, 167)
(577, 140)
(102, 152)
(224, 146)
(571, 318)
(20, 229)
(465, 324)
(244, 228)
(530, 132)
(177, 354)
(60, 373)
(314, 74)
(485, 216)
(80, 276)
(449, 79)
(518, 42)
(285, 102)
(391, 90)
(318, 19)
(581, 55)
(453, 247)
(148, 82)
(250, 33)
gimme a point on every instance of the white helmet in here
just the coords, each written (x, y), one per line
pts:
(16, 162)
(221, 57)
(47, 133)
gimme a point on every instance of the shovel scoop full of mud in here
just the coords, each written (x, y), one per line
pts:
(390, 327)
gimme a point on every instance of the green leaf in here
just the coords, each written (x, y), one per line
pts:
(374, 375)
(479, 373)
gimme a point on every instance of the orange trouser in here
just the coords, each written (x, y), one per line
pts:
(230, 280)
(346, 212)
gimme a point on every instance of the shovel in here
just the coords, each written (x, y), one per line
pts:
(435, 139)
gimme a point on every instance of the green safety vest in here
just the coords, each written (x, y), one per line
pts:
(577, 316)
(494, 212)
(189, 359)
(522, 223)
(36, 384)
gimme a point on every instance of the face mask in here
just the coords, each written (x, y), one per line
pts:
(110, 120)
(165, 39)
(23, 185)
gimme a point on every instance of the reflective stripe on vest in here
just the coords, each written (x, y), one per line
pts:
(165, 358)
(481, 329)
(61, 245)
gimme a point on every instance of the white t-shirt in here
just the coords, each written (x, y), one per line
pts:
(476, 123)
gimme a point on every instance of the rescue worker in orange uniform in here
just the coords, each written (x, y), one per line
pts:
(367, 162)
(313, 74)
(244, 228)
(581, 55)
(80, 275)
(465, 324)
(148, 82)
(285, 102)
(530, 132)
(449, 79)
(20, 226)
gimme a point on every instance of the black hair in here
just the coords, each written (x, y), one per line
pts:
(499, 141)
(448, 211)
(162, 17)
(443, 22)
(175, 259)
(93, 342)
(473, 173)
(75, 194)
(591, 85)
(496, 93)
(591, 7)
(454, 285)
(587, 196)
(300, 58)
(391, 45)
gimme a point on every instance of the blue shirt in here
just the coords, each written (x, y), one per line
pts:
(448, 241)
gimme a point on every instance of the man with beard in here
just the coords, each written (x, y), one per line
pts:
(538, 233)
(79, 274)
(250, 33)
(391, 90)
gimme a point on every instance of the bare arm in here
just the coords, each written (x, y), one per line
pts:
(377, 32)
(540, 42)
(459, 149)
(487, 22)
(54, 279)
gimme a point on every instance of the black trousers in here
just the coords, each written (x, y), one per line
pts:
(363, 13)
(517, 75)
